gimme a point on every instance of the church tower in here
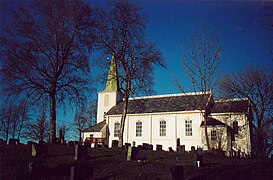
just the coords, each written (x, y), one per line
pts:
(111, 95)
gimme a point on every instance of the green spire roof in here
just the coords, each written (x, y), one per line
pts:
(112, 78)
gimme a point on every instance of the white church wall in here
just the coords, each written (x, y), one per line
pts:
(195, 139)
(95, 135)
(242, 140)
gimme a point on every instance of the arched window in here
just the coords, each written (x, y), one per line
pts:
(235, 127)
(138, 129)
(116, 129)
(162, 128)
(188, 127)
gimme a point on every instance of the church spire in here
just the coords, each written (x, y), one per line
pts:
(112, 78)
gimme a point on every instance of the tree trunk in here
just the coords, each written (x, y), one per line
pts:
(52, 133)
(206, 134)
(124, 113)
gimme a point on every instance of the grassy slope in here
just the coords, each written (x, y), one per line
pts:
(112, 164)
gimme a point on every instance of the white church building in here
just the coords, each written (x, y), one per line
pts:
(162, 119)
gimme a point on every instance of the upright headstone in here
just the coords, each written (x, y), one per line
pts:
(13, 141)
(127, 145)
(134, 144)
(198, 157)
(145, 146)
(192, 149)
(151, 147)
(38, 150)
(158, 147)
(177, 144)
(80, 152)
(171, 149)
(129, 153)
(114, 143)
(177, 172)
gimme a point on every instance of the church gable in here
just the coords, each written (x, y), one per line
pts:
(168, 103)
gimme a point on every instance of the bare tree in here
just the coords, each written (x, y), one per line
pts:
(200, 64)
(80, 122)
(13, 118)
(257, 85)
(121, 34)
(46, 52)
(38, 130)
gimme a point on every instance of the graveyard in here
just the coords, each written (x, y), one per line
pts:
(73, 161)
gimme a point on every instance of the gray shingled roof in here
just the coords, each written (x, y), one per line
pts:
(162, 104)
(96, 127)
(231, 106)
(213, 122)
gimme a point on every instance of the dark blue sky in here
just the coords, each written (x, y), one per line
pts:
(244, 28)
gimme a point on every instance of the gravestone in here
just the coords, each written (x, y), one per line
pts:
(129, 153)
(140, 147)
(150, 147)
(198, 157)
(70, 143)
(145, 146)
(114, 143)
(13, 141)
(158, 147)
(60, 136)
(192, 149)
(181, 149)
(171, 149)
(177, 172)
(127, 145)
(134, 144)
(177, 144)
(135, 153)
(80, 152)
(38, 150)
(87, 144)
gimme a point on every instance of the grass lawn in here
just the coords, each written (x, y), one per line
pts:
(112, 164)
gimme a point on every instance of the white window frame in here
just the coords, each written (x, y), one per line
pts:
(116, 129)
(188, 127)
(138, 129)
(162, 128)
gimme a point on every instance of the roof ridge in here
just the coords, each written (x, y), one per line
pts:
(231, 99)
(169, 95)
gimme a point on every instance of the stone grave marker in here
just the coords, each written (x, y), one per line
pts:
(134, 144)
(114, 143)
(177, 172)
(198, 157)
(129, 153)
(127, 145)
(80, 152)
(158, 147)
(145, 146)
(38, 150)
(150, 147)
(177, 144)
(87, 144)
(192, 149)
(70, 143)
(13, 141)
(171, 149)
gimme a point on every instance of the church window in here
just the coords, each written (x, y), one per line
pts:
(235, 127)
(116, 129)
(162, 128)
(213, 135)
(188, 127)
(106, 100)
(138, 129)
